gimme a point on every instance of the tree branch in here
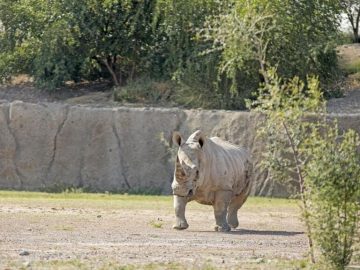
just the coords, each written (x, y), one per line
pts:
(112, 72)
(302, 189)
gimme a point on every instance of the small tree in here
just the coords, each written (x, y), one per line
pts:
(306, 151)
(333, 178)
(240, 35)
(285, 105)
(297, 36)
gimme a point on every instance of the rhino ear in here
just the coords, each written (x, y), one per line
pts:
(201, 141)
(200, 137)
(176, 138)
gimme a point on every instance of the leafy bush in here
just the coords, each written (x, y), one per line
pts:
(307, 151)
(333, 174)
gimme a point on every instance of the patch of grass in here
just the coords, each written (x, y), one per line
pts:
(146, 201)
(60, 188)
(353, 67)
(126, 201)
(145, 191)
(156, 224)
(84, 200)
(78, 196)
(111, 265)
(51, 264)
(64, 228)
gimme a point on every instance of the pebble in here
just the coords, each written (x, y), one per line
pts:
(24, 253)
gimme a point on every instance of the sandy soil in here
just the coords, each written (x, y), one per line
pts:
(97, 234)
(22, 88)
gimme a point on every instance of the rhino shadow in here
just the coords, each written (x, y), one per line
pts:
(259, 232)
(265, 232)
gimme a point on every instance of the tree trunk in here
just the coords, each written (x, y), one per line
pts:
(354, 19)
(356, 36)
(356, 26)
(109, 66)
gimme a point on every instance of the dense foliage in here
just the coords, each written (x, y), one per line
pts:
(310, 154)
(55, 41)
(211, 49)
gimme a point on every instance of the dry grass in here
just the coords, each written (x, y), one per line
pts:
(124, 201)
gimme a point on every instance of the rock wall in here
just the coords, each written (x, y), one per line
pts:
(56, 146)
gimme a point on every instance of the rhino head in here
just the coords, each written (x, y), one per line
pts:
(187, 165)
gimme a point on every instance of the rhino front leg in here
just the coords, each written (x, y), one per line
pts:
(179, 205)
(222, 200)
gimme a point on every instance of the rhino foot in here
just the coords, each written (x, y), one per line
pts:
(223, 228)
(181, 225)
(233, 221)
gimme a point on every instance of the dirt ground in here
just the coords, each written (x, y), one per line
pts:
(22, 88)
(98, 232)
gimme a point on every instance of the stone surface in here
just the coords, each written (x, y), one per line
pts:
(24, 253)
(57, 146)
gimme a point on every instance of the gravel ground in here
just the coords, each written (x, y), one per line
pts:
(33, 232)
(349, 104)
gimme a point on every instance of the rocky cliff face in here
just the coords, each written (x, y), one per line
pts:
(56, 146)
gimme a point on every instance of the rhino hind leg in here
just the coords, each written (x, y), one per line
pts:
(222, 200)
(235, 205)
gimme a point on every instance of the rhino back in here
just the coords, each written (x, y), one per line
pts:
(225, 166)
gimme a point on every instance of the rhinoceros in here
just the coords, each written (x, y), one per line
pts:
(210, 171)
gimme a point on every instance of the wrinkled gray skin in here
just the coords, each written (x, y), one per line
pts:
(212, 172)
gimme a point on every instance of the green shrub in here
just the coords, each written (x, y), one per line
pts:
(307, 151)
(333, 180)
